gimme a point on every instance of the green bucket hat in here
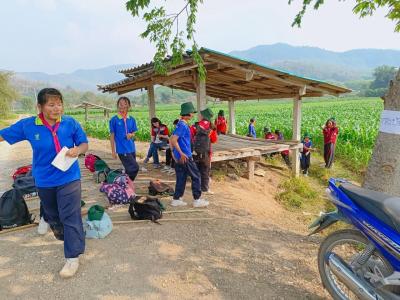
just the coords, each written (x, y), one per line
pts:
(306, 135)
(187, 108)
(221, 113)
(95, 213)
(266, 130)
(207, 114)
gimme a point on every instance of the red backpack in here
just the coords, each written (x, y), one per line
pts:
(22, 171)
(90, 160)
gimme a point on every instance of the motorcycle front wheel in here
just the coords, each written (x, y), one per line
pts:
(348, 244)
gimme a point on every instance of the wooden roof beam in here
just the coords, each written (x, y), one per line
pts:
(269, 96)
(271, 76)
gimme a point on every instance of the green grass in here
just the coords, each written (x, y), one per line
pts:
(297, 191)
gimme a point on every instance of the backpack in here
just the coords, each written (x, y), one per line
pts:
(150, 209)
(13, 210)
(98, 229)
(25, 184)
(118, 192)
(111, 175)
(90, 160)
(22, 171)
(201, 142)
(156, 187)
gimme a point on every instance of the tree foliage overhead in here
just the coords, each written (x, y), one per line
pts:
(163, 30)
(7, 93)
(363, 8)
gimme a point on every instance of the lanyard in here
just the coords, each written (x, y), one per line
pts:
(53, 131)
(124, 116)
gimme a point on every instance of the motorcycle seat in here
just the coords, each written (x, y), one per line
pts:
(383, 206)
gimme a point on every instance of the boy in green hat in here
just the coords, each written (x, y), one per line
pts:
(203, 135)
(185, 165)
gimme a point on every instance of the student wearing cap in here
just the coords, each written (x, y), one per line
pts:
(220, 123)
(268, 134)
(207, 134)
(184, 163)
(122, 132)
(252, 129)
(305, 160)
(330, 132)
(59, 191)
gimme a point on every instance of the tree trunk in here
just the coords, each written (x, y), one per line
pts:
(383, 173)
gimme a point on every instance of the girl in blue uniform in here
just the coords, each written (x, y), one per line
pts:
(59, 191)
(122, 132)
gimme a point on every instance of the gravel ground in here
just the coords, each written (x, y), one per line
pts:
(251, 249)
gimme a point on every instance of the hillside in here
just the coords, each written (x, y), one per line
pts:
(339, 67)
(83, 80)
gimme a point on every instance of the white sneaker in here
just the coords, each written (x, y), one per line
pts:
(200, 203)
(70, 267)
(166, 169)
(144, 169)
(178, 202)
(209, 192)
(43, 227)
(171, 171)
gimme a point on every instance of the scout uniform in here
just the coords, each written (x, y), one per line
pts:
(126, 150)
(59, 191)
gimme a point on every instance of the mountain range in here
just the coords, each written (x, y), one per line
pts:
(340, 67)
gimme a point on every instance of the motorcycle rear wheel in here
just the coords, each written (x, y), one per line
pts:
(348, 244)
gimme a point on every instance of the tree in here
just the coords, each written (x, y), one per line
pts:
(382, 77)
(363, 8)
(7, 94)
(383, 171)
(160, 26)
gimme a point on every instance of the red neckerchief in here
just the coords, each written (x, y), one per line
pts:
(124, 116)
(53, 131)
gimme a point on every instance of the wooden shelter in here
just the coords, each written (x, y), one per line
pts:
(230, 79)
(87, 106)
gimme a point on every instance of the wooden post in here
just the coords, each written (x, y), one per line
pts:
(151, 101)
(296, 133)
(86, 113)
(251, 162)
(201, 94)
(232, 127)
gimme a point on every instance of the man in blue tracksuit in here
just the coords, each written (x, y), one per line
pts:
(59, 191)
(185, 166)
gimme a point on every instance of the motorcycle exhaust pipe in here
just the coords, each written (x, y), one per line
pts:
(362, 289)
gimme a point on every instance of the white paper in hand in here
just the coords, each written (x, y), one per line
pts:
(63, 162)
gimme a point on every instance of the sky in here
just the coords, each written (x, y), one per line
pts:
(60, 36)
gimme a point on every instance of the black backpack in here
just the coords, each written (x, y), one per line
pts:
(13, 210)
(150, 209)
(201, 142)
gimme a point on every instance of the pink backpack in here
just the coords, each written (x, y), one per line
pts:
(90, 160)
(121, 191)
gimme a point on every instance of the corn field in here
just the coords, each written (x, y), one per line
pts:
(358, 121)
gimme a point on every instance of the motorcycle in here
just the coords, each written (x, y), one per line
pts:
(361, 262)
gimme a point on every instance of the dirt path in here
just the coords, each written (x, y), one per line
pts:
(253, 249)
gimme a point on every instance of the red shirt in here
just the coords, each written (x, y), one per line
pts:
(206, 125)
(163, 130)
(270, 136)
(330, 135)
(220, 123)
